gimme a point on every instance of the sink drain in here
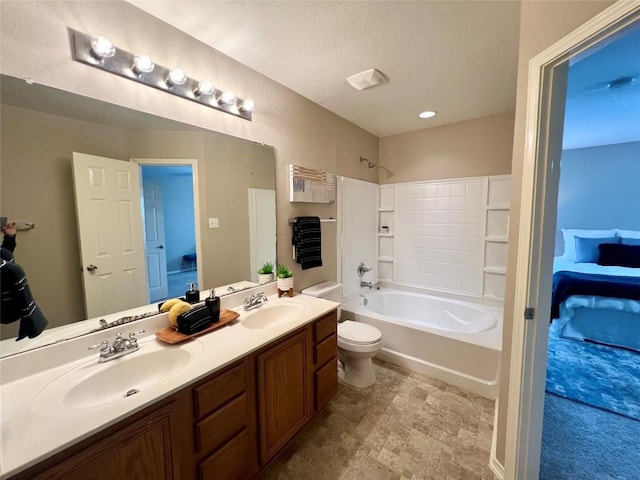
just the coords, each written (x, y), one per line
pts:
(133, 391)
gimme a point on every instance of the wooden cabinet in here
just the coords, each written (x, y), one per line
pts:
(282, 392)
(138, 448)
(325, 364)
(227, 426)
(224, 423)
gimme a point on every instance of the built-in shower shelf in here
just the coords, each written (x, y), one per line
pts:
(497, 270)
(387, 235)
(493, 297)
(498, 206)
(385, 209)
(495, 238)
(385, 259)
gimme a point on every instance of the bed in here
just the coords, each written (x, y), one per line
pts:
(596, 302)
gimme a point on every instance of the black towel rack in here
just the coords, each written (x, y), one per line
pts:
(322, 220)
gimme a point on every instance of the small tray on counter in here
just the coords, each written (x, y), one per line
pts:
(172, 336)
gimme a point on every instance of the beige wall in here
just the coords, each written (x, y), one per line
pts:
(472, 148)
(542, 23)
(35, 43)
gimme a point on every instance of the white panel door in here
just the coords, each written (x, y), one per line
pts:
(108, 206)
(155, 241)
(262, 228)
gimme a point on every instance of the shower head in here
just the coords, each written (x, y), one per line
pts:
(369, 164)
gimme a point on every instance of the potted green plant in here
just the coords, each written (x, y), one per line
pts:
(284, 280)
(265, 273)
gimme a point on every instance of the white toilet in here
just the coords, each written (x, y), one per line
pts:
(357, 341)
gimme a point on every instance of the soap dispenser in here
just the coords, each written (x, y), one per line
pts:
(192, 295)
(213, 304)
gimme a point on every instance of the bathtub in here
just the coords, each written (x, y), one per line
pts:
(455, 341)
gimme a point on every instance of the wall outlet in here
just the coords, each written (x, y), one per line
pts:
(214, 223)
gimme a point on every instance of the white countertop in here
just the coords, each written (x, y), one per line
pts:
(31, 433)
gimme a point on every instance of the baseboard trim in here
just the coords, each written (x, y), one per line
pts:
(494, 464)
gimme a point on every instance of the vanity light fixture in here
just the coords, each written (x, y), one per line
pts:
(228, 97)
(142, 64)
(176, 77)
(247, 105)
(101, 47)
(99, 52)
(205, 87)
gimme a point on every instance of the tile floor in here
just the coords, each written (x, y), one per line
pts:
(406, 426)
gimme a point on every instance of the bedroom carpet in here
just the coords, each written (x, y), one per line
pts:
(597, 375)
(580, 442)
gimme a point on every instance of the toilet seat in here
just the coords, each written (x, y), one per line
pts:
(358, 333)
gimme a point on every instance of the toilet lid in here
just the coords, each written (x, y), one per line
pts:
(358, 333)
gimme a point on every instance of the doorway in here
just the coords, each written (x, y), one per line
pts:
(545, 115)
(170, 211)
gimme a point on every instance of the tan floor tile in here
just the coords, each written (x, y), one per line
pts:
(405, 426)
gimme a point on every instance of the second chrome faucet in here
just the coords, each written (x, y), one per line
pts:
(120, 347)
(254, 301)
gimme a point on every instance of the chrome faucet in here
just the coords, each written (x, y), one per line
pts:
(362, 269)
(254, 301)
(365, 284)
(120, 347)
(232, 290)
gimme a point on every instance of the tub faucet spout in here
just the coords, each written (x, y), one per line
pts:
(366, 284)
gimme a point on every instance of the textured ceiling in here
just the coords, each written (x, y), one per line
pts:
(456, 57)
(603, 93)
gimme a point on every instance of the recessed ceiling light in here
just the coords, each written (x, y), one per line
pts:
(427, 114)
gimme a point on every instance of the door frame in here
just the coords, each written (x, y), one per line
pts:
(528, 347)
(166, 162)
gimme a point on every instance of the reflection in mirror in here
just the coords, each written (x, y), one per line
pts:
(216, 233)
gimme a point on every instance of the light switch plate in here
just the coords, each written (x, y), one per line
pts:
(214, 223)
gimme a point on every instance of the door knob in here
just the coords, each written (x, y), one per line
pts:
(91, 268)
(160, 246)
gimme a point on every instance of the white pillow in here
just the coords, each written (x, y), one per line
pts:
(628, 233)
(569, 236)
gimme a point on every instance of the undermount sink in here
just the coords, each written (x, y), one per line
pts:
(272, 313)
(94, 384)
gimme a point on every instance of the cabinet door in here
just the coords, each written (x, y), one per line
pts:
(282, 393)
(140, 451)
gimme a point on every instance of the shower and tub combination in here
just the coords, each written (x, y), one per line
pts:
(438, 249)
(455, 341)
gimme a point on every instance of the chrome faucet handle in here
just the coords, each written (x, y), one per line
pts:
(133, 341)
(104, 346)
(118, 343)
(362, 269)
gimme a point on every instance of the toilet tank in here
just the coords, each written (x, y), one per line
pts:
(327, 290)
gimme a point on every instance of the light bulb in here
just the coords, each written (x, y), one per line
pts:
(177, 77)
(205, 87)
(142, 64)
(248, 105)
(228, 97)
(102, 47)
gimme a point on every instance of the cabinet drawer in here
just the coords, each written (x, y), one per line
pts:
(326, 349)
(221, 425)
(325, 327)
(219, 390)
(326, 384)
(230, 461)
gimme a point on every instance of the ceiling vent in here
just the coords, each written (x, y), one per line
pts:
(367, 79)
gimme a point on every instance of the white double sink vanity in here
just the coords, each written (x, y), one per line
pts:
(220, 405)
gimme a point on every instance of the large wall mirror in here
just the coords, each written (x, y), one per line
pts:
(214, 226)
